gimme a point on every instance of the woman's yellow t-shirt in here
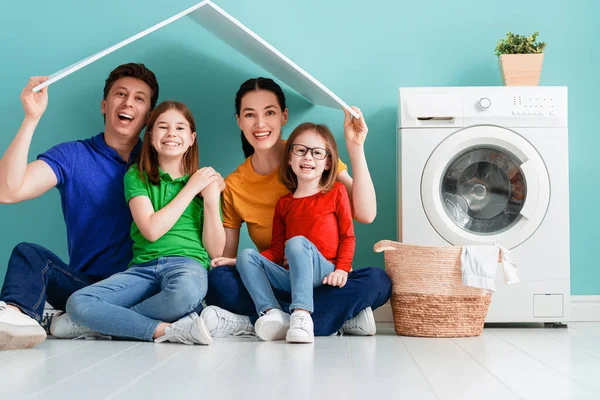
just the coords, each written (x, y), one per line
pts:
(251, 198)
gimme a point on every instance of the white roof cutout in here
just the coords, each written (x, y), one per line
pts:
(237, 35)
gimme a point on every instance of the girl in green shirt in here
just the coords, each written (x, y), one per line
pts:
(175, 232)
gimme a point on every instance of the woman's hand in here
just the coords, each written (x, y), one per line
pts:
(336, 278)
(221, 261)
(355, 129)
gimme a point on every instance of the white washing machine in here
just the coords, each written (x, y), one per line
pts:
(484, 165)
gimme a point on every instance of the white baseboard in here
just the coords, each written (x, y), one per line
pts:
(583, 309)
(384, 313)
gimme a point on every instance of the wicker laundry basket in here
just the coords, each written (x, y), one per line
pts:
(428, 296)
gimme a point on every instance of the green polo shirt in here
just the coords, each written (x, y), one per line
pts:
(184, 239)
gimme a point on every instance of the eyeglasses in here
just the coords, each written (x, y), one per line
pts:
(317, 152)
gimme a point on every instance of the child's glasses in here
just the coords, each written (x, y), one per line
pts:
(317, 152)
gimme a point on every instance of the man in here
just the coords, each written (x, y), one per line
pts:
(89, 176)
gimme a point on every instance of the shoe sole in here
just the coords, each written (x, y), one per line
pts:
(13, 337)
(271, 330)
(300, 339)
(205, 337)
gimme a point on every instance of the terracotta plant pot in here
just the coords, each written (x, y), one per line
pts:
(521, 69)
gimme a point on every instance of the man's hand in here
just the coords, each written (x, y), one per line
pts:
(34, 103)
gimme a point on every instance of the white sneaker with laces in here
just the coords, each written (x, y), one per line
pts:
(63, 327)
(273, 325)
(301, 328)
(361, 325)
(190, 329)
(222, 323)
(18, 330)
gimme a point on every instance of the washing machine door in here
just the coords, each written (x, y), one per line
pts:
(485, 184)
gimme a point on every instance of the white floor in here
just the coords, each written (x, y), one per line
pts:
(503, 363)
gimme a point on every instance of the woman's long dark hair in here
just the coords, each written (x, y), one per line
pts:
(251, 85)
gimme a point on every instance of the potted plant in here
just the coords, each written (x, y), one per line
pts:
(520, 59)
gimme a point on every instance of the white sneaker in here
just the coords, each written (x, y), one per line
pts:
(222, 323)
(17, 330)
(273, 325)
(190, 329)
(301, 328)
(361, 325)
(63, 327)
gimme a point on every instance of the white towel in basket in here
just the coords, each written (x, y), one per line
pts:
(480, 263)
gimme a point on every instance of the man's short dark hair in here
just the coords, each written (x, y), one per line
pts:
(137, 71)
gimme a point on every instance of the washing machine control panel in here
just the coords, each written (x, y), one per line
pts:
(509, 106)
(533, 105)
(522, 106)
(540, 105)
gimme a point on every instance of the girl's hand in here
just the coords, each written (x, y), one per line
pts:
(221, 261)
(355, 129)
(202, 178)
(35, 103)
(336, 278)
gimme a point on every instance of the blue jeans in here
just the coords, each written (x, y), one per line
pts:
(307, 268)
(131, 304)
(36, 275)
(366, 287)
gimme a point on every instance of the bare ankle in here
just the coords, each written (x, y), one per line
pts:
(160, 330)
(301, 311)
(14, 308)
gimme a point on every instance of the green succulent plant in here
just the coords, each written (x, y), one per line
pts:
(519, 44)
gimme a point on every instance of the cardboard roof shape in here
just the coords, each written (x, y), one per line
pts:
(237, 35)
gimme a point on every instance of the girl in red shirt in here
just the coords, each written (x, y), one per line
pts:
(312, 228)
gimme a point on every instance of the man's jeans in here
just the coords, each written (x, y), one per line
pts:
(307, 268)
(366, 287)
(131, 304)
(36, 275)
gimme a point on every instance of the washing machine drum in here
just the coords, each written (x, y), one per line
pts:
(485, 184)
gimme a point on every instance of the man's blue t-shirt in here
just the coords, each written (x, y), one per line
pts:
(90, 181)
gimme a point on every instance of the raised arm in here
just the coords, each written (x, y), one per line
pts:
(18, 180)
(359, 187)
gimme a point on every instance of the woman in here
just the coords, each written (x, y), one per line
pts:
(251, 195)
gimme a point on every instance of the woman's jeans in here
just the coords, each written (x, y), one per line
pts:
(307, 268)
(366, 287)
(132, 303)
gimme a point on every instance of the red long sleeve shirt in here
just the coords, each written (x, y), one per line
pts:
(323, 218)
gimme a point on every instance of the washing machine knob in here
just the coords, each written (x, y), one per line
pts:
(484, 103)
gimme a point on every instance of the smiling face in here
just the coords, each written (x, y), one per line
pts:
(126, 108)
(172, 135)
(261, 119)
(305, 165)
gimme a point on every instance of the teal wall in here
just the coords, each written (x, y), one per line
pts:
(362, 50)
